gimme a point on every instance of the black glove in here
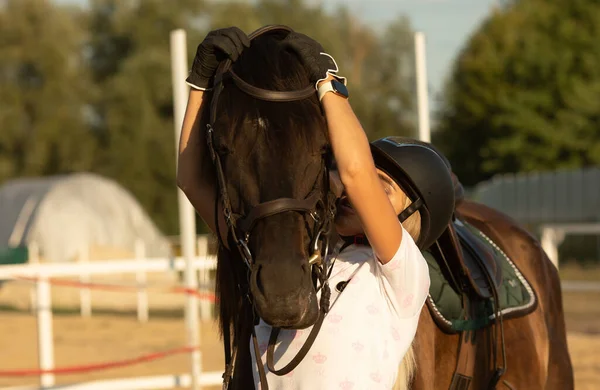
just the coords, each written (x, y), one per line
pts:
(216, 47)
(312, 55)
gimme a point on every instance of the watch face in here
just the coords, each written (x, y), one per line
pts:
(339, 88)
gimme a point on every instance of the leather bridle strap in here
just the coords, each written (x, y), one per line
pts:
(270, 96)
(277, 206)
(324, 302)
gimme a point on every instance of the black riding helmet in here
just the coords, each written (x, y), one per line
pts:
(424, 174)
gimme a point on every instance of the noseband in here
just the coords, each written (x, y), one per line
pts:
(319, 205)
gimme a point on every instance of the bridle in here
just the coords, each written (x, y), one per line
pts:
(319, 205)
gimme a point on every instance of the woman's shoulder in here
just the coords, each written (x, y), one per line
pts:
(355, 254)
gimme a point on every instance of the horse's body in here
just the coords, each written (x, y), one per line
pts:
(267, 151)
(536, 345)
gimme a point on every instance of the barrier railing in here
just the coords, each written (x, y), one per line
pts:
(44, 275)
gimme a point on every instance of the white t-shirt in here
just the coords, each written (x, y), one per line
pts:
(367, 331)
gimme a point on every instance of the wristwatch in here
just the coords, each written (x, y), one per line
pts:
(334, 86)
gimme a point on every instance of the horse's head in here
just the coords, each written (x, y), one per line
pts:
(273, 159)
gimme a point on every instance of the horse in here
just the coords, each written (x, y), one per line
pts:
(537, 355)
(268, 140)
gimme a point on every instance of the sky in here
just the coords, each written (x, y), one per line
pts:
(446, 24)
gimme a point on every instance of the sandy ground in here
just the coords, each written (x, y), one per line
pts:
(108, 338)
(113, 337)
(103, 338)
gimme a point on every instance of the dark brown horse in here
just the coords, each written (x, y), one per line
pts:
(272, 150)
(536, 344)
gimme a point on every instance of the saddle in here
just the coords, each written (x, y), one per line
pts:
(475, 274)
(471, 267)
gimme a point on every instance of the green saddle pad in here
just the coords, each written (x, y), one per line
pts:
(16, 255)
(516, 295)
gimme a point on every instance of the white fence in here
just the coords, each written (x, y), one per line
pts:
(83, 270)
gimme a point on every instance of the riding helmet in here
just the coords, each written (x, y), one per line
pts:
(424, 174)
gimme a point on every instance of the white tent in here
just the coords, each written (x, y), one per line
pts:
(66, 214)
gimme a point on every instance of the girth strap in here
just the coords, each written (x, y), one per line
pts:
(463, 374)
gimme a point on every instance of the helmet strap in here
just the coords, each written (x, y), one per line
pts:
(410, 210)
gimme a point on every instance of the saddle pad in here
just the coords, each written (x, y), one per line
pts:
(18, 255)
(516, 295)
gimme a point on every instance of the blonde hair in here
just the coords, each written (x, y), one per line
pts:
(408, 365)
(407, 369)
(412, 224)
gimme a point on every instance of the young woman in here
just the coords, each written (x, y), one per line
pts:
(378, 290)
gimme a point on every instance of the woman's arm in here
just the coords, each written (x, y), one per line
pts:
(195, 174)
(358, 174)
(352, 153)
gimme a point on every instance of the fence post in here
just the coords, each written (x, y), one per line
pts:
(140, 276)
(33, 257)
(43, 308)
(85, 295)
(204, 278)
(551, 239)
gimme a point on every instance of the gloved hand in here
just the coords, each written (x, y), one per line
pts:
(216, 47)
(312, 55)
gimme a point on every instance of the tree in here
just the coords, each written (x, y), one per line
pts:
(130, 62)
(44, 91)
(89, 89)
(524, 92)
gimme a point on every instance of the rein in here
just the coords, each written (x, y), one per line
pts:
(319, 205)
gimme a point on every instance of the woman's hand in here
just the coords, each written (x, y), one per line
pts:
(218, 46)
(318, 64)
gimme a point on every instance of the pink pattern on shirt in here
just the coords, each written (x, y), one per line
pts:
(262, 348)
(358, 347)
(335, 318)
(395, 334)
(376, 376)
(346, 385)
(319, 358)
(408, 300)
(372, 309)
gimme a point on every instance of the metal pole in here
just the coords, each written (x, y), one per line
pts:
(187, 221)
(422, 95)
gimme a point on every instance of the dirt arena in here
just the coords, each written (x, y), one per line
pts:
(104, 338)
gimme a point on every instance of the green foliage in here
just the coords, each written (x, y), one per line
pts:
(524, 94)
(130, 63)
(90, 89)
(43, 91)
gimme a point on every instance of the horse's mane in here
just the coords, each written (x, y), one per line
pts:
(266, 64)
